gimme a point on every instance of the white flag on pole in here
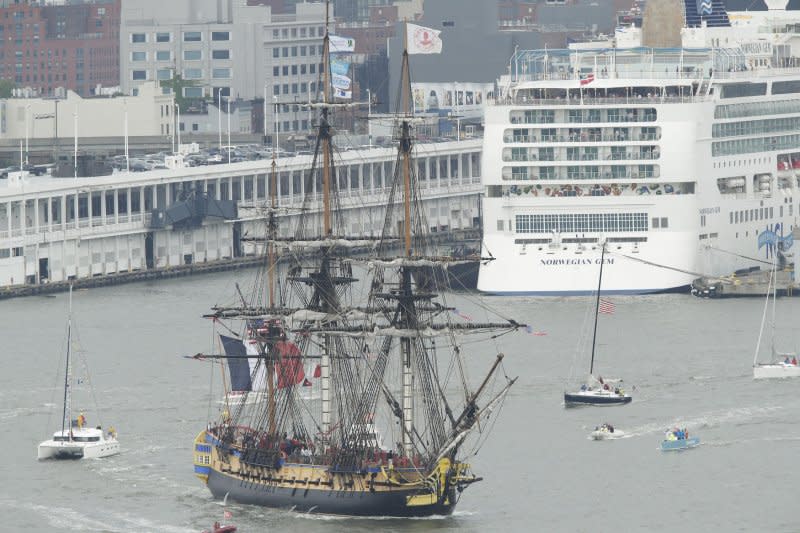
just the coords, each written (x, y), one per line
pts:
(422, 40)
(341, 44)
(346, 95)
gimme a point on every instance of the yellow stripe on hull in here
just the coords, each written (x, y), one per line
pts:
(202, 456)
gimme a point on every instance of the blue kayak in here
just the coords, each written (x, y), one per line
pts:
(679, 444)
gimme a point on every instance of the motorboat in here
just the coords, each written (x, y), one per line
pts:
(606, 432)
(677, 439)
(218, 528)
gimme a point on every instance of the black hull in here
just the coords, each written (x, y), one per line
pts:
(574, 400)
(460, 276)
(324, 501)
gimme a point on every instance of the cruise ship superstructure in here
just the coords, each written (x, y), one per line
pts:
(684, 160)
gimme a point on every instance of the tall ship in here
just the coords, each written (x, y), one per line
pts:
(675, 144)
(389, 431)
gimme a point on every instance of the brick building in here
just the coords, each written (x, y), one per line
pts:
(74, 46)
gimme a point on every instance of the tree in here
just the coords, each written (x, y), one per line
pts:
(6, 86)
(177, 84)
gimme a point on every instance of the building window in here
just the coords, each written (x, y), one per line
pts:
(192, 92)
(192, 36)
(138, 56)
(276, 71)
(220, 36)
(164, 74)
(276, 52)
(220, 54)
(221, 73)
(138, 38)
(163, 37)
(138, 75)
(163, 55)
(192, 55)
(192, 73)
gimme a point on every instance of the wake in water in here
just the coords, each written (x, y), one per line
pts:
(24, 412)
(705, 421)
(64, 518)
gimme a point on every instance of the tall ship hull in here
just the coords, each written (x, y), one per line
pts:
(376, 490)
(684, 161)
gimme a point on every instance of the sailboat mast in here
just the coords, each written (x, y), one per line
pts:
(597, 305)
(67, 413)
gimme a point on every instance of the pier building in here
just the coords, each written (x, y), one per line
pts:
(56, 229)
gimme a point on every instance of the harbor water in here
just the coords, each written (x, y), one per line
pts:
(687, 362)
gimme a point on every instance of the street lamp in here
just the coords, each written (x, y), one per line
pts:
(277, 126)
(178, 124)
(27, 120)
(219, 119)
(265, 113)
(75, 152)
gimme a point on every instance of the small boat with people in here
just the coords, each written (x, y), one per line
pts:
(606, 432)
(600, 394)
(678, 439)
(219, 528)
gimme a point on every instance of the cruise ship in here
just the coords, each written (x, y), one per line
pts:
(684, 160)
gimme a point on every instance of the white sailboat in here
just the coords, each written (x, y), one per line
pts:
(597, 391)
(782, 365)
(75, 440)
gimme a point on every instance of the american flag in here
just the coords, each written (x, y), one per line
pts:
(607, 306)
(586, 79)
(462, 315)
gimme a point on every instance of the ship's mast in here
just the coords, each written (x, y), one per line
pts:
(272, 235)
(325, 359)
(326, 145)
(408, 310)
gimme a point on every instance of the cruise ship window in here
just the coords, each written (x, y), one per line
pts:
(664, 222)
